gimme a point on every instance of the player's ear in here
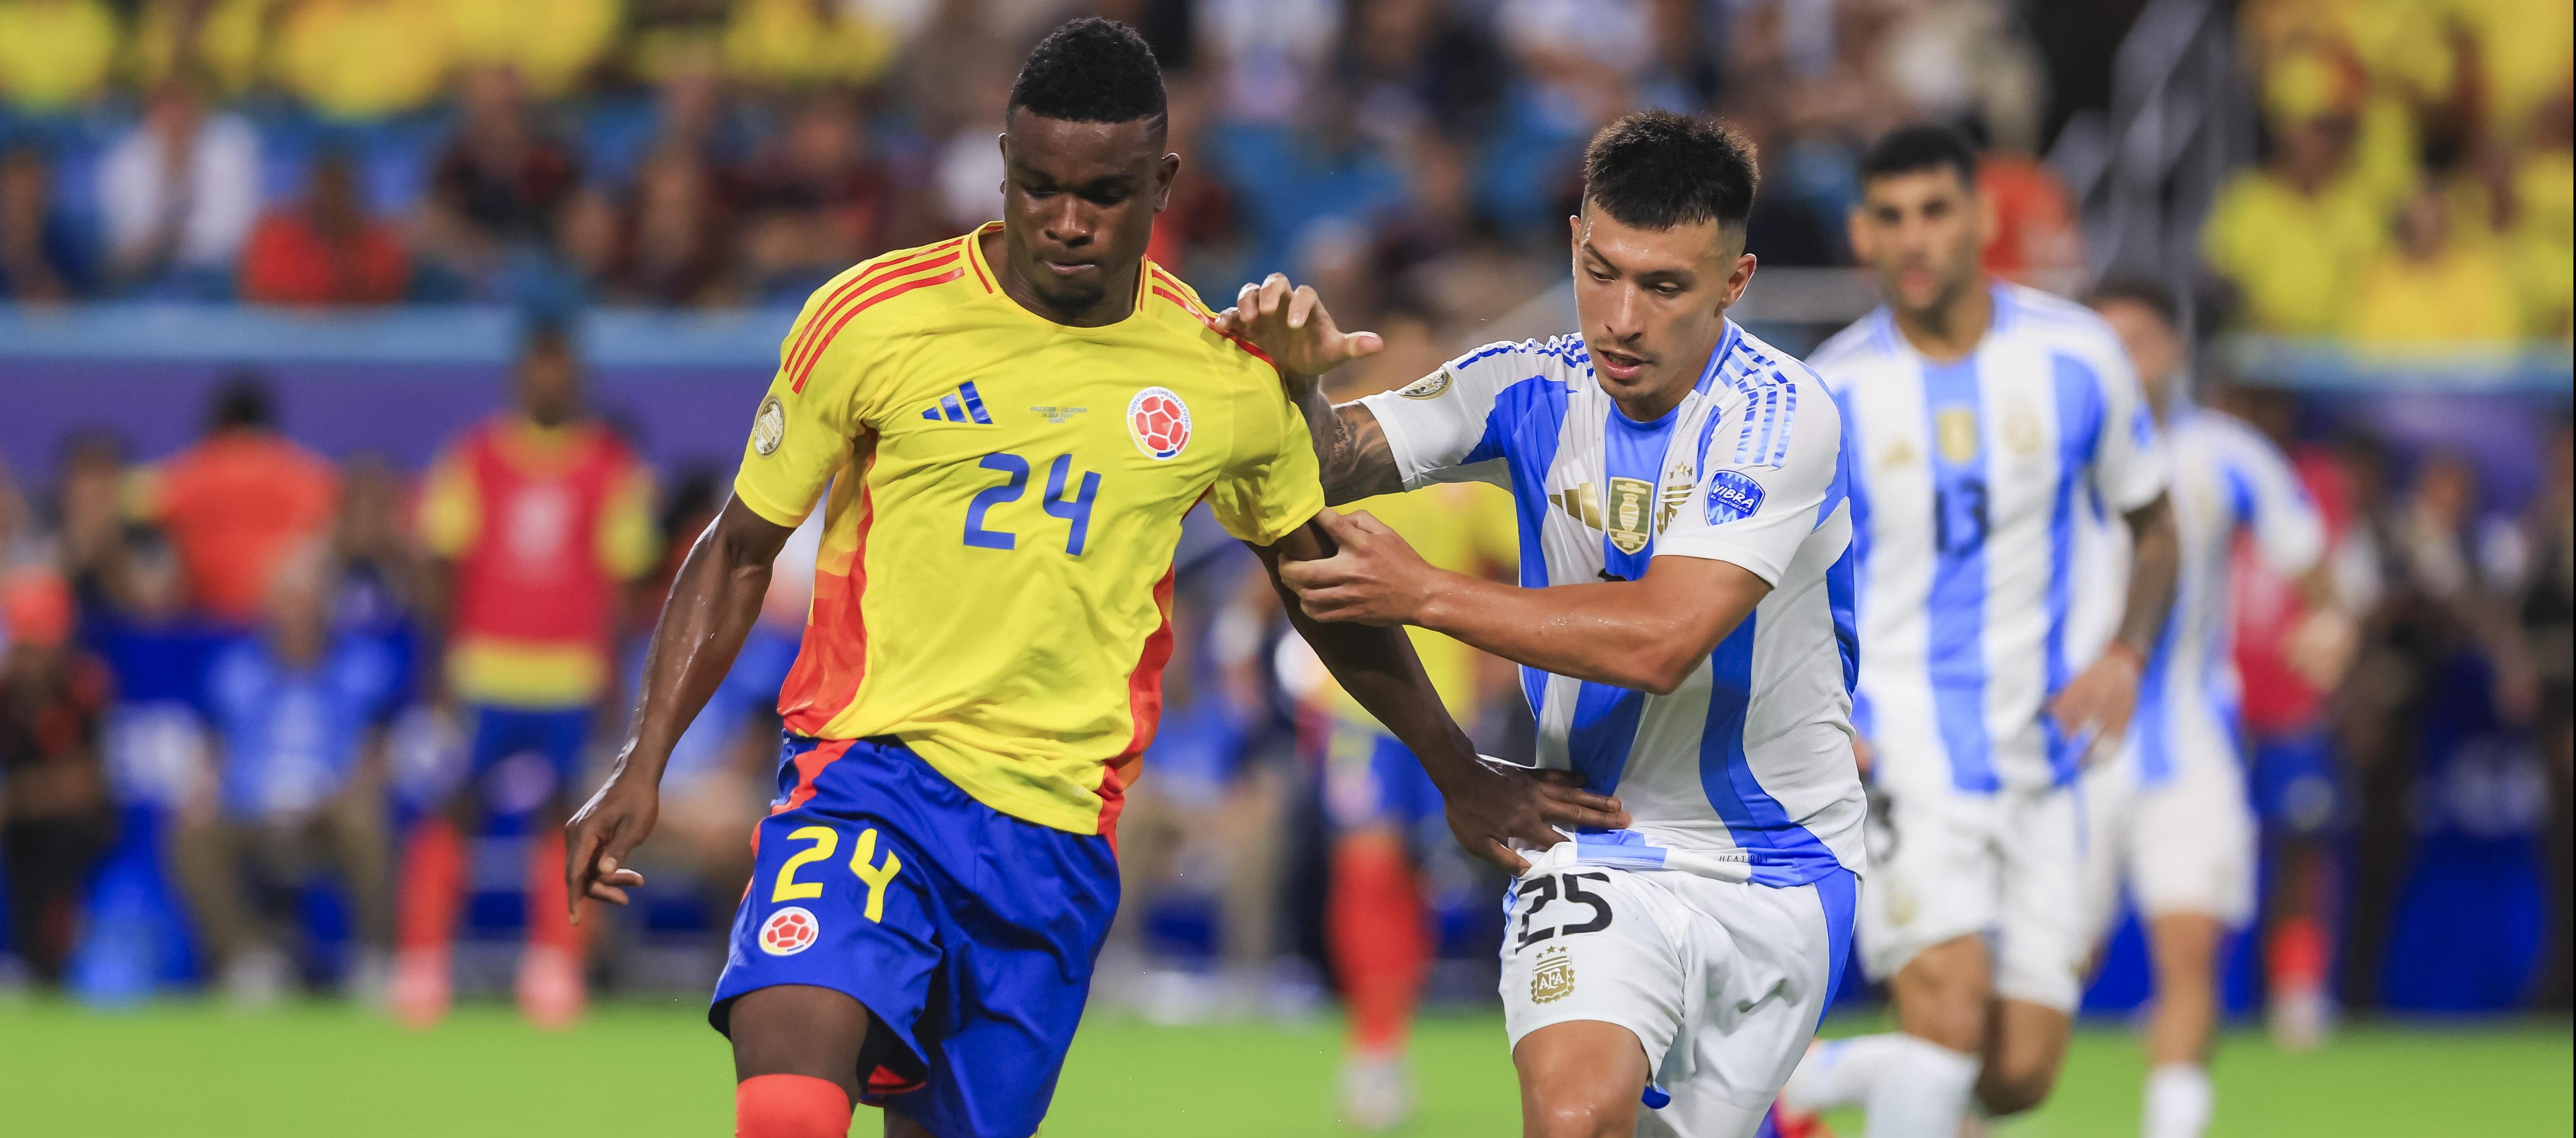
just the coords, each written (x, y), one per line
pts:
(1165, 173)
(1737, 281)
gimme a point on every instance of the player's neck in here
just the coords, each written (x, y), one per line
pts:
(1115, 304)
(1947, 333)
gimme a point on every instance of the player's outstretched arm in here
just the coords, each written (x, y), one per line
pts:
(1648, 634)
(2097, 703)
(1492, 807)
(711, 608)
(1292, 326)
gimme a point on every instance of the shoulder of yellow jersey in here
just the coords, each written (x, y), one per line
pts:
(877, 297)
(1163, 287)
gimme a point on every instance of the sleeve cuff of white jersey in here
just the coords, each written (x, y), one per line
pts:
(1731, 552)
(1399, 443)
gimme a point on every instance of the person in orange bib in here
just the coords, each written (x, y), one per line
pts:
(538, 517)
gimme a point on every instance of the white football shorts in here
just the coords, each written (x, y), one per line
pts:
(2182, 845)
(1721, 981)
(2008, 865)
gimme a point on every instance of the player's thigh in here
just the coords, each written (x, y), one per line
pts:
(1771, 958)
(2023, 1053)
(2108, 797)
(1580, 1079)
(2042, 939)
(1933, 874)
(1601, 946)
(800, 1029)
(1943, 994)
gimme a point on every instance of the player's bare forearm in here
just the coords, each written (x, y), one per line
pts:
(1376, 665)
(2155, 560)
(1351, 451)
(713, 603)
(710, 610)
(1647, 635)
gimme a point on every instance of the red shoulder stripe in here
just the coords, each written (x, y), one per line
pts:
(1210, 321)
(862, 306)
(805, 341)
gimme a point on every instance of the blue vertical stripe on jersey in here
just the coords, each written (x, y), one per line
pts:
(2078, 394)
(1783, 853)
(1957, 604)
(2153, 719)
(974, 402)
(1842, 578)
(1605, 716)
(948, 404)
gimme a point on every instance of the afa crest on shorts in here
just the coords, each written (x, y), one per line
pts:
(790, 931)
(1553, 978)
(1159, 422)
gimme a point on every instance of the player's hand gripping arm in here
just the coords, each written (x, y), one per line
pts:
(711, 608)
(1490, 806)
(1302, 340)
(2097, 703)
(1648, 634)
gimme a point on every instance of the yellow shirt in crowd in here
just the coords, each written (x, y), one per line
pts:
(54, 53)
(2294, 257)
(2464, 294)
(358, 59)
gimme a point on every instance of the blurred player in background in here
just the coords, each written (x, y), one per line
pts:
(1684, 634)
(1982, 413)
(1010, 425)
(56, 819)
(1383, 809)
(236, 502)
(299, 710)
(2169, 817)
(537, 518)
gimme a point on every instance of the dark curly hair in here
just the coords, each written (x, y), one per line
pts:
(1657, 169)
(1091, 70)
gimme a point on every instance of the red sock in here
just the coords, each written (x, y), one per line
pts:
(549, 923)
(2298, 955)
(433, 873)
(1374, 924)
(790, 1106)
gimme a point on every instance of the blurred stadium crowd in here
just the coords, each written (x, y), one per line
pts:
(233, 672)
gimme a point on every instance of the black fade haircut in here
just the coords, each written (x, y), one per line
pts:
(1923, 146)
(242, 400)
(1657, 169)
(1091, 70)
(2148, 294)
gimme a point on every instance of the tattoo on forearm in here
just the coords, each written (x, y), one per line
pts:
(1351, 450)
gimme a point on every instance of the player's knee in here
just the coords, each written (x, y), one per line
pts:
(2011, 1086)
(790, 1106)
(1596, 1118)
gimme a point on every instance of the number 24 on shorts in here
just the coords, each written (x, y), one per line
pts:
(863, 864)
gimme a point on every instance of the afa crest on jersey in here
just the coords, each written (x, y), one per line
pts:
(790, 931)
(1159, 422)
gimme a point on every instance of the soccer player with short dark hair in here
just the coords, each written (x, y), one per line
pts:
(1683, 626)
(1986, 420)
(1003, 431)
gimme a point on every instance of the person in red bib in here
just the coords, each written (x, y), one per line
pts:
(538, 517)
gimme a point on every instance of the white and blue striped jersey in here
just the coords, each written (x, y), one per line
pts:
(2227, 480)
(1751, 757)
(1966, 493)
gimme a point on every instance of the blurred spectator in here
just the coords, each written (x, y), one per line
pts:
(2036, 240)
(91, 545)
(537, 518)
(55, 53)
(1267, 52)
(300, 711)
(41, 256)
(552, 44)
(222, 41)
(801, 43)
(363, 59)
(2292, 235)
(2431, 286)
(2548, 616)
(818, 202)
(237, 500)
(666, 244)
(325, 249)
(967, 164)
(1296, 185)
(2541, 231)
(55, 817)
(179, 192)
(500, 182)
(1419, 64)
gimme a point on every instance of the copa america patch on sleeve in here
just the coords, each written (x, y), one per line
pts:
(1731, 497)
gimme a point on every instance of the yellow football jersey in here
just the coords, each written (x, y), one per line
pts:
(994, 586)
(1464, 527)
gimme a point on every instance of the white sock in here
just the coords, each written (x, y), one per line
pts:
(1839, 1072)
(2179, 1099)
(1923, 1092)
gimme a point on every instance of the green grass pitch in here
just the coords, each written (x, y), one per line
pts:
(637, 1070)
